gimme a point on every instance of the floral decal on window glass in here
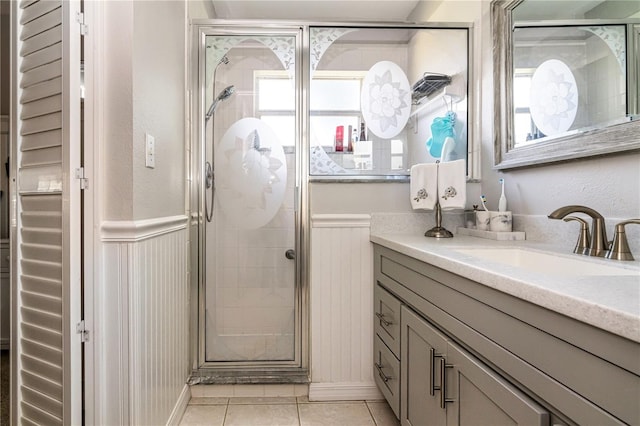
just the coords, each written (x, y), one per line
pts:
(554, 97)
(250, 174)
(386, 99)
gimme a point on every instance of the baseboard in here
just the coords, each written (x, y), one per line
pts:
(180, 407)
(344, 392)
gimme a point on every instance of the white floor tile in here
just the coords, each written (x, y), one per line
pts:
(263, 415)
(214, 400)
(325, 414)
(262, 400)
(382, 414)
(212, 415)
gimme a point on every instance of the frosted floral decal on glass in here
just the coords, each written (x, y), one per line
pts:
(615, 38)
(250, 174)
(386, 99)
(554, 97)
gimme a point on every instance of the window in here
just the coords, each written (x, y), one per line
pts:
(335, 101)
(275, 100)
(524, 127)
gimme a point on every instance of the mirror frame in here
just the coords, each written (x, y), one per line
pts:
(592, 142)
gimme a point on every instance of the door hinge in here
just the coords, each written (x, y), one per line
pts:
(82, 331)
(84, 182)
(84, 28)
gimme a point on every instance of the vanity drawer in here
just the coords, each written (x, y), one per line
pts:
(387, 319)
(386, 372)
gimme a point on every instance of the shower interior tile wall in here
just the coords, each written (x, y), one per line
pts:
(252, 311)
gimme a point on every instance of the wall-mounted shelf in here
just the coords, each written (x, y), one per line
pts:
(454, 92)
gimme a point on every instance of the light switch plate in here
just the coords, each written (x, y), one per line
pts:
(150, 151)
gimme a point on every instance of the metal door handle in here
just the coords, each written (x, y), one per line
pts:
(290, 254)
(383, 376)
(432, 371)
(383, 320)
(443, 383)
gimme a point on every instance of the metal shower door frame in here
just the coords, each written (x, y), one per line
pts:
(201, 368)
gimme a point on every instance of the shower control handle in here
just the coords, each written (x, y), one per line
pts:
(208, 175)
(290, 254)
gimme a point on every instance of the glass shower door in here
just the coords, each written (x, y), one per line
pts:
(251, 300)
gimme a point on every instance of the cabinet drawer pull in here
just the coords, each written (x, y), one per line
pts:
(432, 371)
(443, 383)
(382, 319)
(383, 376)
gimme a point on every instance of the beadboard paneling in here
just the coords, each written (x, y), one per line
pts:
(144, 322)
(341, 308)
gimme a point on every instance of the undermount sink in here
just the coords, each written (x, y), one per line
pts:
(546, 263)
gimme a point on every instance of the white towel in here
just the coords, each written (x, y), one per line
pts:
(424, 186)
(452, 184)
(447, 149)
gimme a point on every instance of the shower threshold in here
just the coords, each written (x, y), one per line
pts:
(218, 376)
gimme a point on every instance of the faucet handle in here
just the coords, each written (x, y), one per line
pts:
(584, 239)
(620, 247)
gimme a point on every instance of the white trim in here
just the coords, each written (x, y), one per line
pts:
(180, 407)
(344, 392)
(139, 230)
(340, 221)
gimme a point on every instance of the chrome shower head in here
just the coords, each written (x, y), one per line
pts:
(226, 93)
(222, 96)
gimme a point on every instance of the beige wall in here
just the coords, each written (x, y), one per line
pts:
(144, 92)
(159, 87)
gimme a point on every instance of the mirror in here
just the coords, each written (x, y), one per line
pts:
(383, 98)
(565, 80)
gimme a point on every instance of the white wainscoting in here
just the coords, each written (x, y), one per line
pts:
(142, 328)
(341, 309)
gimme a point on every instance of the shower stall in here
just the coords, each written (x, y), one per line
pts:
(276, 105)
(246, 195)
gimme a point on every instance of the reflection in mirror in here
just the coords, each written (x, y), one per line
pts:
(565, 80)
(383, 99)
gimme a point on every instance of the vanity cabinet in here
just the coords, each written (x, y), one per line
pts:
(386, 346)
(446, 385)
(499, 358)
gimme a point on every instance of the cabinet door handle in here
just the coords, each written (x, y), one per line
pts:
(443, 383)
(383, 320)
(383, 376)
(432, 371)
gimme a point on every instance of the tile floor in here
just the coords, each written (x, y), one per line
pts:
(299, 411)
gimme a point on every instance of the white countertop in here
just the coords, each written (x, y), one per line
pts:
(611, 303)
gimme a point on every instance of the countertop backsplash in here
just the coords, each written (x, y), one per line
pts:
(538, 228)
(413, 223)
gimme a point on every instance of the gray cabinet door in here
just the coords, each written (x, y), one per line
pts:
(421, 346)
(476, 395)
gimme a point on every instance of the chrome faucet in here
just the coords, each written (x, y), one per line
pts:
(584, 239)
(620, 247)
(599, 244)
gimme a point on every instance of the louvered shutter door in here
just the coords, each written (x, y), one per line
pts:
(46, 237)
